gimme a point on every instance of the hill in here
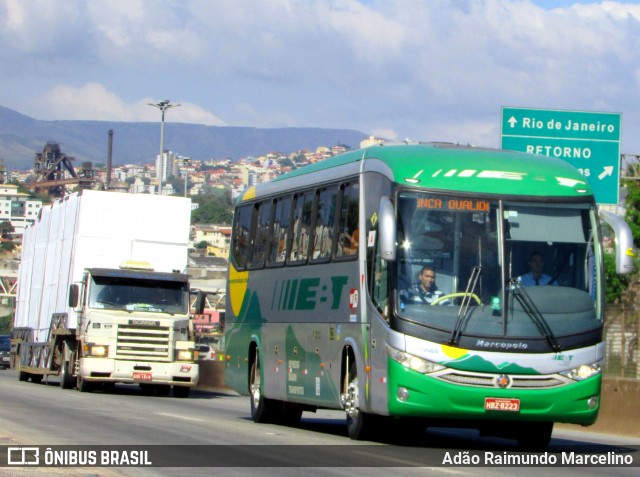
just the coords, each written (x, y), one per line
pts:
(138, 143)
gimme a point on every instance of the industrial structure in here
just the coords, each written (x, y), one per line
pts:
(55, 172)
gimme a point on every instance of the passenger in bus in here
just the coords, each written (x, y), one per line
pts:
(426, 291)
(350, 242)
(535, 276)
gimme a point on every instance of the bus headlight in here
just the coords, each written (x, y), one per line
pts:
(410, 361)
(96, 351)
(583, 372)
(184, 355)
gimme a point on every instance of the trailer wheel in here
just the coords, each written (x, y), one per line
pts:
(36, 378)
(23, 376)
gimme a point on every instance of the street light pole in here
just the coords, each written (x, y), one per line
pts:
(162, 106)
(185, 165)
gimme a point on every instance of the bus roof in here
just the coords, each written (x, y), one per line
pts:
(444, 166)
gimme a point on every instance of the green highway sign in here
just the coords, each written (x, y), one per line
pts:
(590, 141)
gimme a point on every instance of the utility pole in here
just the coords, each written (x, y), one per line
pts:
(185, 164)
(162, 106)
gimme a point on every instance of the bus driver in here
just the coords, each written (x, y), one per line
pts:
(426, 291)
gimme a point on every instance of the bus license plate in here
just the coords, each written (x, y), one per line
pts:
(499, 404)
(138, 376)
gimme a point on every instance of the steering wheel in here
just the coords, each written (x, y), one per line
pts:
(457, 295)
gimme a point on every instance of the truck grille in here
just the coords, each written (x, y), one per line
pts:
(144, 343)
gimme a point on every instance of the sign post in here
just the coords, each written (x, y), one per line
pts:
(590, 141)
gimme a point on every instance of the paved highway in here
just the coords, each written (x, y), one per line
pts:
(44, 414)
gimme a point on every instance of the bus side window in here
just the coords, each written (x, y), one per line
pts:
(325, 224)
(261, 240)
(280, 232)
(301, 227)
(348, 224)
(242, 235)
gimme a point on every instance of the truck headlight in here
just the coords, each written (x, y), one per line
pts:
(184, 355)
(411, 361)
(583, 372)
(97, 351)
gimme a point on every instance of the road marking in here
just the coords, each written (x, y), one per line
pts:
(184, 418)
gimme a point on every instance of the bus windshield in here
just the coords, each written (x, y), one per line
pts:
(483, 273)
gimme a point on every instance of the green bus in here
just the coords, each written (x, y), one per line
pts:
(324, 308)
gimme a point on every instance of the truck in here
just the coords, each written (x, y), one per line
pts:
(103, 295)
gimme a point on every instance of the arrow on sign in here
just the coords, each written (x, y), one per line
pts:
(512, 121)
(608, 171)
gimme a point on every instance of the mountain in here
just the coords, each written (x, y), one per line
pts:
(21, 137)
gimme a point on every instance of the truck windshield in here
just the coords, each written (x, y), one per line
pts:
(134, 294)
(482, 273)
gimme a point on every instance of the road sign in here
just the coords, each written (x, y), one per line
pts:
(590, 141)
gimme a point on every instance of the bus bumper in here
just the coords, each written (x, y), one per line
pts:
(419, 395)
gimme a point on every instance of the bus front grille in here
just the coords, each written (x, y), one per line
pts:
(492, 380)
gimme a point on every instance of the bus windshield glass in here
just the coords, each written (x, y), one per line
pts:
(134, 294)
(471, 269)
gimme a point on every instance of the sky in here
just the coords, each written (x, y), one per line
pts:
(430, 70)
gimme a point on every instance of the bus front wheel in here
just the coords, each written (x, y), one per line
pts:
(262, 409)
(359, 423)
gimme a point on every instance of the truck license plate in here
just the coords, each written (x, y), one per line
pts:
(138, 376)
(500, 404)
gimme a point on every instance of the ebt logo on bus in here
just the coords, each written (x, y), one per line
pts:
(308, 293)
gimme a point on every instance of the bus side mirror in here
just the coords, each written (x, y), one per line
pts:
(74, 294)
(623, 241)
(387, 230)
(199, 304)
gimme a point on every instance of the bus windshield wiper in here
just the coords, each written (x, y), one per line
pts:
(530, 308)
(464, 306)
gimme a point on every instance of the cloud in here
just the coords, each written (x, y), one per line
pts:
(94, 102)
(408, 68)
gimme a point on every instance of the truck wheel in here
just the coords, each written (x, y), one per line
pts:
(23, 376)
(181, 391)
(162, 390)
(36, 378)
(66, 376)
(83, 385)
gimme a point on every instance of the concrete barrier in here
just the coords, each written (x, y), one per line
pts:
(619, 413)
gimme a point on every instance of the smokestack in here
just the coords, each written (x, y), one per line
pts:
(109, 158)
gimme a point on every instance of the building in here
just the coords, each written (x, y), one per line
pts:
(217, 237)
(17, 208)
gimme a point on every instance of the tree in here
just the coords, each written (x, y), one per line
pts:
(632, 204)
(213, 209)
(6, 229)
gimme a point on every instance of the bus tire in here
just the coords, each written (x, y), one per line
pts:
(535, 436)
(263, 410)
(360, 425)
